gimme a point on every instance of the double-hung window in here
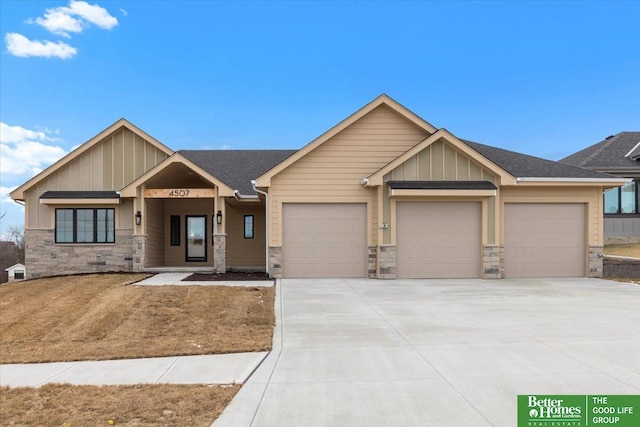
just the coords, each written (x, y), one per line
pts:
(84, 225)
(622, 200)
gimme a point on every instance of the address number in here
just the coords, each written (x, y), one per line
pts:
(179, 193)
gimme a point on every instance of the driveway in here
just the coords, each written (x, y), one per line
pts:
(438, 352)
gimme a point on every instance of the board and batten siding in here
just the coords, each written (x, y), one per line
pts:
(332, 172)
(155, 233)
(439, 161)
(109, 165)
(592, 196)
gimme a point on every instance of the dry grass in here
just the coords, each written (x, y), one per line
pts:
(99, 317)
(139, 405)
(623, 249)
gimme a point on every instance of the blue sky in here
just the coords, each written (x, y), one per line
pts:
(543, 78)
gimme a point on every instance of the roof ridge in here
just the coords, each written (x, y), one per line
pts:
(606, 144)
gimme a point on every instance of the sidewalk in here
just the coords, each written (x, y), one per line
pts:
(232, 368)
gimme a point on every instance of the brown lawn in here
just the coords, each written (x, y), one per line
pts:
(138, 405)
(626, 249)
(99, 317)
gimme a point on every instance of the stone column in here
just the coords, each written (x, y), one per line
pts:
(220, 253)
(595, 261)
(493, 262)
(372, 262)
(386, 262)
(275, 262)
(139, 252)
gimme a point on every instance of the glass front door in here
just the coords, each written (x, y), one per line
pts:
(196, 238)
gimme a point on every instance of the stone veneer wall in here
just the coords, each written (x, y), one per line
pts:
(43, 257)
(372, 262)
(275, 262)
(220, 253)
(139, 252)
(493, 262)
(595, 261)
(386, 262)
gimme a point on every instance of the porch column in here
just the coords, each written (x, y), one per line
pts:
(220, 237)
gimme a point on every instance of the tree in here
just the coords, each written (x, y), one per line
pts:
(15, 234)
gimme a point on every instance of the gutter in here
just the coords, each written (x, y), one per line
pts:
(545, 179)
(266, 214)
(241, 197)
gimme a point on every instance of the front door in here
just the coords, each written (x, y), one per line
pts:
(196, 238)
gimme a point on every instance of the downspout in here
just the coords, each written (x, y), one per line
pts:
(266, 214)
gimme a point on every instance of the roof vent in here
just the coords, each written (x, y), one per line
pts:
(610, 136)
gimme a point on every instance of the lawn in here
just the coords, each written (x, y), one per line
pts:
(138, 405)
(100, 317)
(623, 249)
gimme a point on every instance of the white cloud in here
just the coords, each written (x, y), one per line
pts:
(59, 22)
(75, 18)
(225, 147)
(25, 152)
(123, 12)
(19, 45)
(4, 195)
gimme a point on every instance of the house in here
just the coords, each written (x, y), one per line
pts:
(617, 155)
(16, 272)
(383, 194)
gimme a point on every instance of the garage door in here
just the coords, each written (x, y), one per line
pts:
(544, 240)
(438, 240)
(324, 240)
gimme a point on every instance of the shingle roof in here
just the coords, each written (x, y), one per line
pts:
(441, 185)
(237, 168)
(609, 153)
(80, 195)
(523, 165)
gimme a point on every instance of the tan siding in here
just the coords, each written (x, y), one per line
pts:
(491, 220)
(118, 160)
(139, 157)
(450, 167)
(75, 175)
(107, 163)
(96, 166)
(129, 157)
(85, 165)
(63, 178)
(463, 167)
(386, 211)
(437, 159)
(475, 172)
(424, 161)
(154, 222)
(335, 168)
(243, 252)
(150, 156)
(125, 220)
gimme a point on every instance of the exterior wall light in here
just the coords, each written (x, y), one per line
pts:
(219, 218)
(138, 218)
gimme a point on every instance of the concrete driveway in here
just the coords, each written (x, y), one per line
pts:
(438, 352)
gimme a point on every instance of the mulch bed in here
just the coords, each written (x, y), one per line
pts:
(226, 277)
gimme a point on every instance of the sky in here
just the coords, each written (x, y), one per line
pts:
(543, 78)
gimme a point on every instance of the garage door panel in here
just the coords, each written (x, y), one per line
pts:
(545, 240)
(324, 240)
(438, 240)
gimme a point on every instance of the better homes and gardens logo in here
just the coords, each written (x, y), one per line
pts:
(578, 410)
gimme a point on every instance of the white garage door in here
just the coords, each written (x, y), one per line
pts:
(438, 240)
(544, 240)
(324, 240)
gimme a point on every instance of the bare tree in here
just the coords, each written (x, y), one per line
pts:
(15, 234)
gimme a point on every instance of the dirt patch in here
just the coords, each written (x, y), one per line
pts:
(99, 317)
(229, 276)
(137, 405)
(623, 249)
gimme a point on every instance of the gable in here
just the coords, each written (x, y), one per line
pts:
(440, 161)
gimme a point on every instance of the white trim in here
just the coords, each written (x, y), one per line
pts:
(633, 149)
(545, 179)
(45, 201)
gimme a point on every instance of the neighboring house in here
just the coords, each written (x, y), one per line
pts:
(16, 273)
(617, 155)
(383, 194)
(9, 255)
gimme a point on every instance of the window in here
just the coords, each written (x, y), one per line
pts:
(85, 225)
(248, 226)
(18, 274)
(175, 230)
(622, 200)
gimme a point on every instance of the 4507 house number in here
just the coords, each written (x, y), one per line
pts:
(179, 193)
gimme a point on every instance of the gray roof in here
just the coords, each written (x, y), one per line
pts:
(80, 195)
(522, 165)
(237, 168)
(608, 153)
(441, 185)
